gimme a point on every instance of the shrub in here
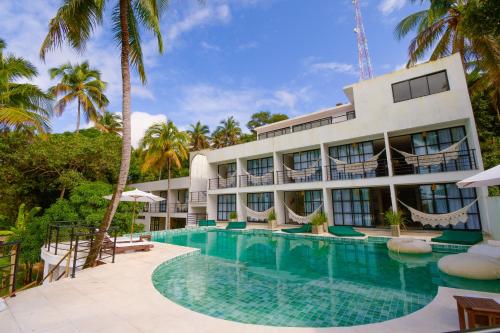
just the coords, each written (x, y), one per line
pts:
(272, 215)
(233, 216)
(319, 219)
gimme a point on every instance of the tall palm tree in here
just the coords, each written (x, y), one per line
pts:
(74, 23)
(228, 132)
(109, 122)
(21, 104)
(198, 135)
(441, 30)
(81, 83)
(164, 146)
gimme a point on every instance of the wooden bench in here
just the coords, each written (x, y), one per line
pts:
(480, 312)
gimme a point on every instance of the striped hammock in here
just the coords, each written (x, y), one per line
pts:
(359, 167)
(299, 218)
(448, 154)
(453, 218)
(309, 171)
(259, 215)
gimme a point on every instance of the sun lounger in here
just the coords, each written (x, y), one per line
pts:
(207, 223)
(306, 228)
(133, 246)
(121, 239)
(459, 237)
(236, 225)
(344, 231)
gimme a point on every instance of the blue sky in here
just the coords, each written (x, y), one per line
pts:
(226, 57)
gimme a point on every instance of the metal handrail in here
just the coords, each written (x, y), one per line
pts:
(339, 172)
(466, 160)
(221, 183)
(285, 176)
(247, 180)
(198, 197)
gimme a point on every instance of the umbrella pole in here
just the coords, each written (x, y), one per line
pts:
(133, 218)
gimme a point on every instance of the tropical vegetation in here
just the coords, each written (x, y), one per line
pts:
(198, 136)
(82, 84)
(109, 122)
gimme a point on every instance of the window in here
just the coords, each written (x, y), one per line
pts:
(259, 167)
(259, 202)
(351, 153)
(163, 204)
(274, 133)
(226, 203)
(352, 206)
(307, 160)
(420, 86)
(227, 170)
(446, 198)
(312, 201)
(312, 124)
(351, 115)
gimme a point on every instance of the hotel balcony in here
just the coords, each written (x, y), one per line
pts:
(357, 170)
(221, 183)
(253, 180)
(198, 198)
(299, 176)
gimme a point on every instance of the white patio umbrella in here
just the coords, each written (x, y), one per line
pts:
(490, 177)
(136, 196)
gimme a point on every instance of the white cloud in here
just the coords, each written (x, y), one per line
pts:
(199, 17)
(210, 47)
(336, 67)
(142, 92)
(248, 45)
(140, 123)
(389, 6)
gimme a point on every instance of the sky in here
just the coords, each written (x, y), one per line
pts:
(224, 57)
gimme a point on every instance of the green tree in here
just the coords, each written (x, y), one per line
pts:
(227, 133)
(109, 122)
(21, 104)
(28, 232)
(198, 135)
(75, 22)
(263, 118)
(164, 146)
(442, 30)
(82, 84)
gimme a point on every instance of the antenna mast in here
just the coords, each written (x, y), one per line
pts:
(365, 65)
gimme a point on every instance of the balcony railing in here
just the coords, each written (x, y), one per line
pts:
(298, 176)
(251, 180)
(356, 170)
(220, 183)
(442, 162)
(194, 218)
(179, 207)
(199, 197)
(156, 207)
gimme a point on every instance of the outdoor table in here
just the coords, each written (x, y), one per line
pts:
(483, 311)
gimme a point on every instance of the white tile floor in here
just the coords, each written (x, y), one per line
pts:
(121, 298)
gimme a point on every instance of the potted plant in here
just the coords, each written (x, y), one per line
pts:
(271, 219)
(317, 222)
(233, 217)
(395, 219)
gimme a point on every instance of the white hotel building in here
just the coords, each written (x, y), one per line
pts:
(349, 159)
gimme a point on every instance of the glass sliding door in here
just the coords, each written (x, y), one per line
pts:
(259, 202)
(351, 153)
(352, 206)
(306, 160)
(260, 167)
(226, 203)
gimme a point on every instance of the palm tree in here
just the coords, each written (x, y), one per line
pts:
(441, 30)
(21, 104)
(81, 83)
(75, 22)
(164, 146)
(227, 133)
(109, 122)
(198, 135)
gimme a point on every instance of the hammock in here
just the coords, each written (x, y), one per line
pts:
(258, 179)
(297, 174)
(299, 218)
(359, 167)
(448, 154)
(227, 182)
(453, 218)
(259, 215)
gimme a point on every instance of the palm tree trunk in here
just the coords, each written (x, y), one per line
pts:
(126, 134)
(168, 197)
(78, 118)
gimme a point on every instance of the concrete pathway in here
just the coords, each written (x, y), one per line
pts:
(120, 297)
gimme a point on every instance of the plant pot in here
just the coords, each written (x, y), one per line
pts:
(317, 229)
(272, 224)
(233, 220)
(395, 230)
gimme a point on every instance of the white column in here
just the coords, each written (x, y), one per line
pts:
(212, 207)
(394, 203)
(324, 161)
(388, 153)
(241, 202)
(279, 207)
(328, 205)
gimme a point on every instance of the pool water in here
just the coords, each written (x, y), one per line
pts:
(280, 280)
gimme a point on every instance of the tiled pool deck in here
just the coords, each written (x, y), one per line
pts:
(120, 297)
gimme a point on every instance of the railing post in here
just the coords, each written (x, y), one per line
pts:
(14, 259)
(68, 262)
(114, 247)
(57, 240)
(50, 237)
(73, 271)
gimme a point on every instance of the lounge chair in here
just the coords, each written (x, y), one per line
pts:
(207, 223)
(134, 246)
(459, 237)
(303, 229)
(122, 239)
(344, 231)
(236, 225)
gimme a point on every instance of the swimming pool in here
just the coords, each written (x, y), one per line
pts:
(288, 280)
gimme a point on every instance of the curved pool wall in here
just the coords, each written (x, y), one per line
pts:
(274, 279)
